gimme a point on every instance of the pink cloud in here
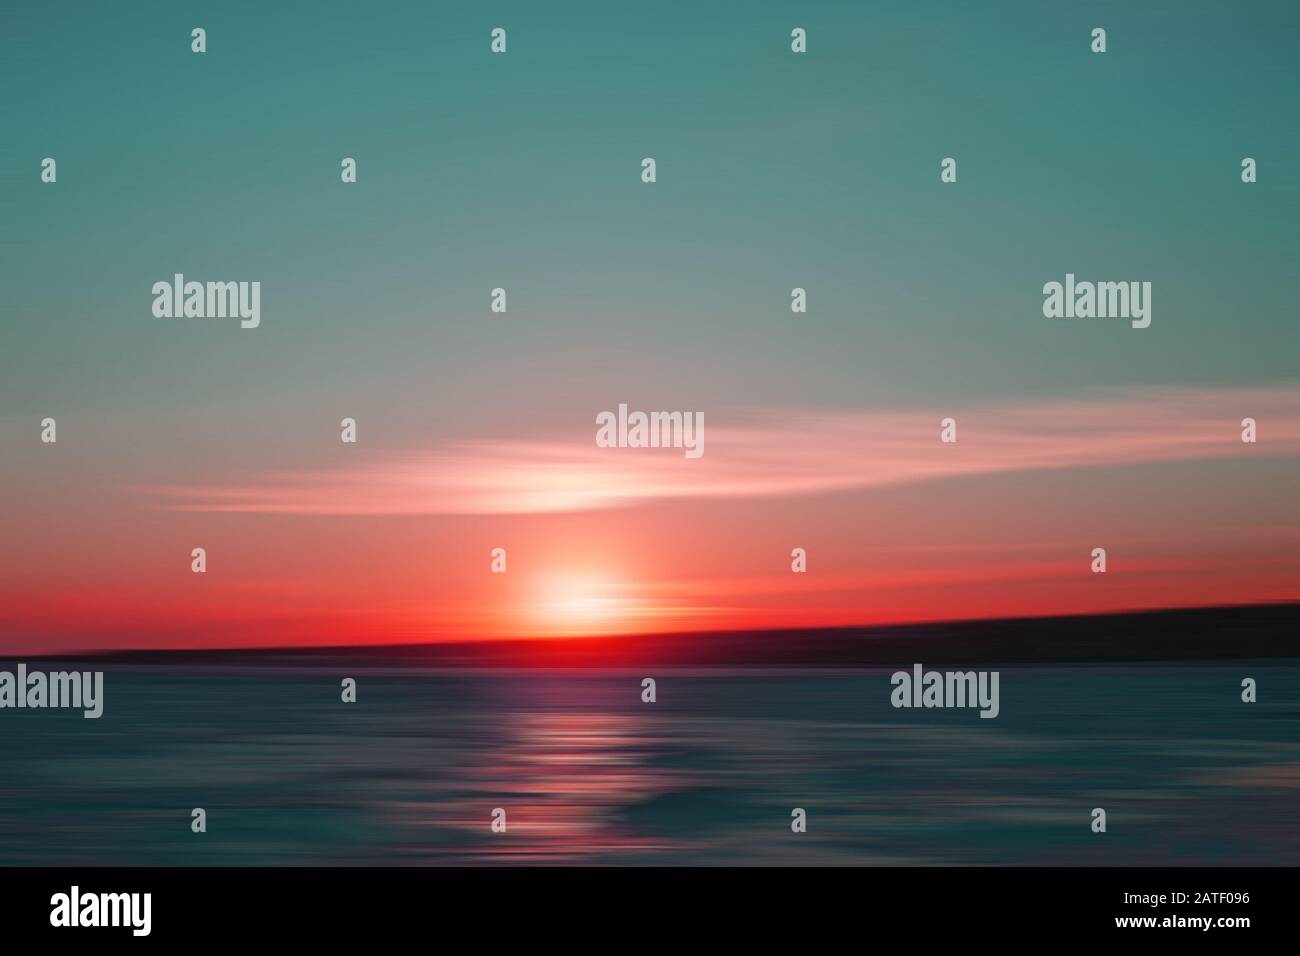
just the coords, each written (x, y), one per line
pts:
(778, 452)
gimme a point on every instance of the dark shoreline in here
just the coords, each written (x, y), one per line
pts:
(1197, 634)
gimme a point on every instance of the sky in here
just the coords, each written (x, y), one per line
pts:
(775, 170)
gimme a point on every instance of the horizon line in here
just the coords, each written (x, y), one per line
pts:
(632, 637)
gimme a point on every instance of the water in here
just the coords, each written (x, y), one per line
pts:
(587, 773)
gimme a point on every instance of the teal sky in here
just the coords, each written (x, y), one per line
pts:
(521, 170)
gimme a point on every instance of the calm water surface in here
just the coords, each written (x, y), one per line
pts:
(587, 773)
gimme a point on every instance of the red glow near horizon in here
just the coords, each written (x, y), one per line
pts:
(897, 529)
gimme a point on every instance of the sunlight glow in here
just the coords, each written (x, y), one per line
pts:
(580, 603)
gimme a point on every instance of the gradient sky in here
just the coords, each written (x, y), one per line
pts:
(522, 171)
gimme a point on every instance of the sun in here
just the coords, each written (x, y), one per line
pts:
(579, 602)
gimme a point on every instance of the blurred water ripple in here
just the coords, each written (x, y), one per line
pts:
(587, 773)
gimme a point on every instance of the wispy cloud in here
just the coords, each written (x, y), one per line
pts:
(777, 452)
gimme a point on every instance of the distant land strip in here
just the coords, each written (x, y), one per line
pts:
(1196, 634)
